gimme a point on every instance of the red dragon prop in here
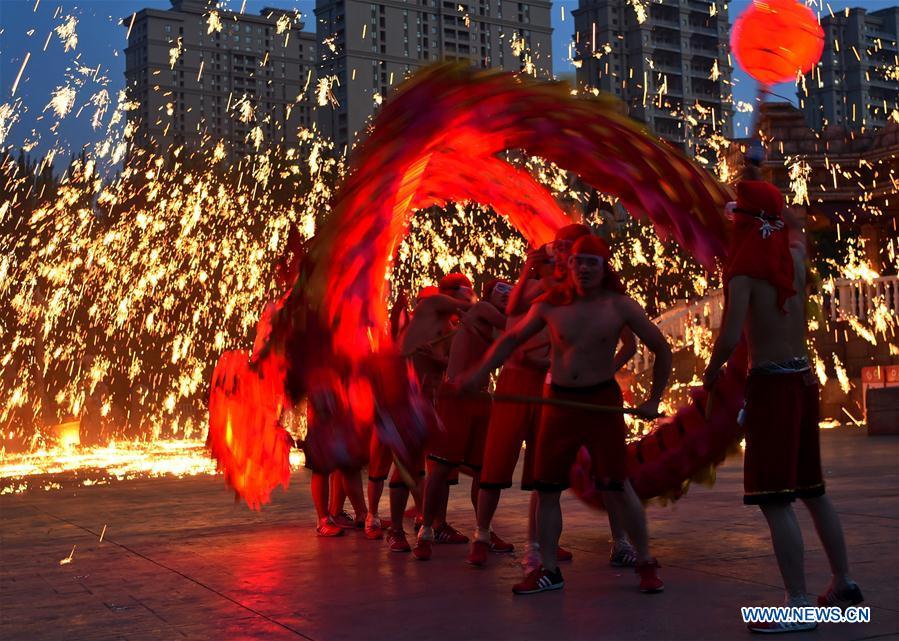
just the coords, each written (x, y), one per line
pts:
(440, 139)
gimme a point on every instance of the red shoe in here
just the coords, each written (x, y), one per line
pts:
(327, 528)
(498, 546)
(411, 513)
(422, 550)
(539, 580)
(563, 555)
(345, 521)
(842, 599)
(396, 541)
(478, 554)
(446, 533)
(649, 582)
(373, 529)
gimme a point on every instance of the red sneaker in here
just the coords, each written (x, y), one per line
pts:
(396, 541)
(563, 555)
(446, 533)
(347, 522)
(539, 580)
(478, 554)
(649, 582)
(850, 595)
(422, 550)
(373, 530)
(327, 528)
(498, 546)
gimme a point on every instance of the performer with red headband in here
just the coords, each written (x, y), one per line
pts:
(585, 316)
(425, 342)
(764, 281)
(622, 553)
(465, 418)
(512, 423)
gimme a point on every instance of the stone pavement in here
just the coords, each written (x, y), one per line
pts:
(180, 561)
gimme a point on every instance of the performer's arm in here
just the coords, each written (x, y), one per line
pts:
(441, 303)
(525, 290)
(636, 318)
(731, 327)
(628, 348)
(503, 348)
(486, 312)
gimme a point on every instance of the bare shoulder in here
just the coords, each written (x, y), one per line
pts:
(627, 306)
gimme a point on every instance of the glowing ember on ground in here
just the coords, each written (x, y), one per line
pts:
(64, 467)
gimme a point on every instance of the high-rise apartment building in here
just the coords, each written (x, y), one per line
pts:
(366, 48)
(856, 82)
(667, 60)
(198, 72)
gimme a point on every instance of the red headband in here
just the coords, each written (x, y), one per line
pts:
(454, 281)
(593, 245)
(760, 247)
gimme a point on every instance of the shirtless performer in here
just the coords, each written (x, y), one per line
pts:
(622, 553)
(764, 280)
(512, 423)
(425, 341)
(585, 317)
(464, 418)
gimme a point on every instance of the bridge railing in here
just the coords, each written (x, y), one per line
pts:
(859, 297)
(682, 324)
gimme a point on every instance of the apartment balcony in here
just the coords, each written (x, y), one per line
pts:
(666, 44)
(668, 67)
(703, 29)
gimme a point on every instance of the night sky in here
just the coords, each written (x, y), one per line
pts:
(101, 42)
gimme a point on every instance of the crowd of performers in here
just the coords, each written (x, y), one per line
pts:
(560, 334)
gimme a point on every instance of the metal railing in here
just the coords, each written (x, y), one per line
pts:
(859, 298)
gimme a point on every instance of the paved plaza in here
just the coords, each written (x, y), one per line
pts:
(179, 560)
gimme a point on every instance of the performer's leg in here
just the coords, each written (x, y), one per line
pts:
(319, 487)
(787, 539)
(532, 552)
(352, 488)
(488, 500)
(629, 511)
(830, 531)
(475, 487)
(549, 528)
(418, 496)
(436, 497)
(338, 496)
(399, 496)
(375, 491)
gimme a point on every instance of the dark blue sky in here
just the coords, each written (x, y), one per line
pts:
(101, 41)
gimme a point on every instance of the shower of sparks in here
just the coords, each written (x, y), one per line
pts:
(102, 533)
(62, 100)
(67, 34)
(214, 23)
(119, 293)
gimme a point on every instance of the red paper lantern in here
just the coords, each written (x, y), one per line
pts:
(775, 39)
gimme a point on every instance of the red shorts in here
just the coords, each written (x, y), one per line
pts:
(563, 430)
(783, 457)
(465, 420)
(379, 462)
(510, 424)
